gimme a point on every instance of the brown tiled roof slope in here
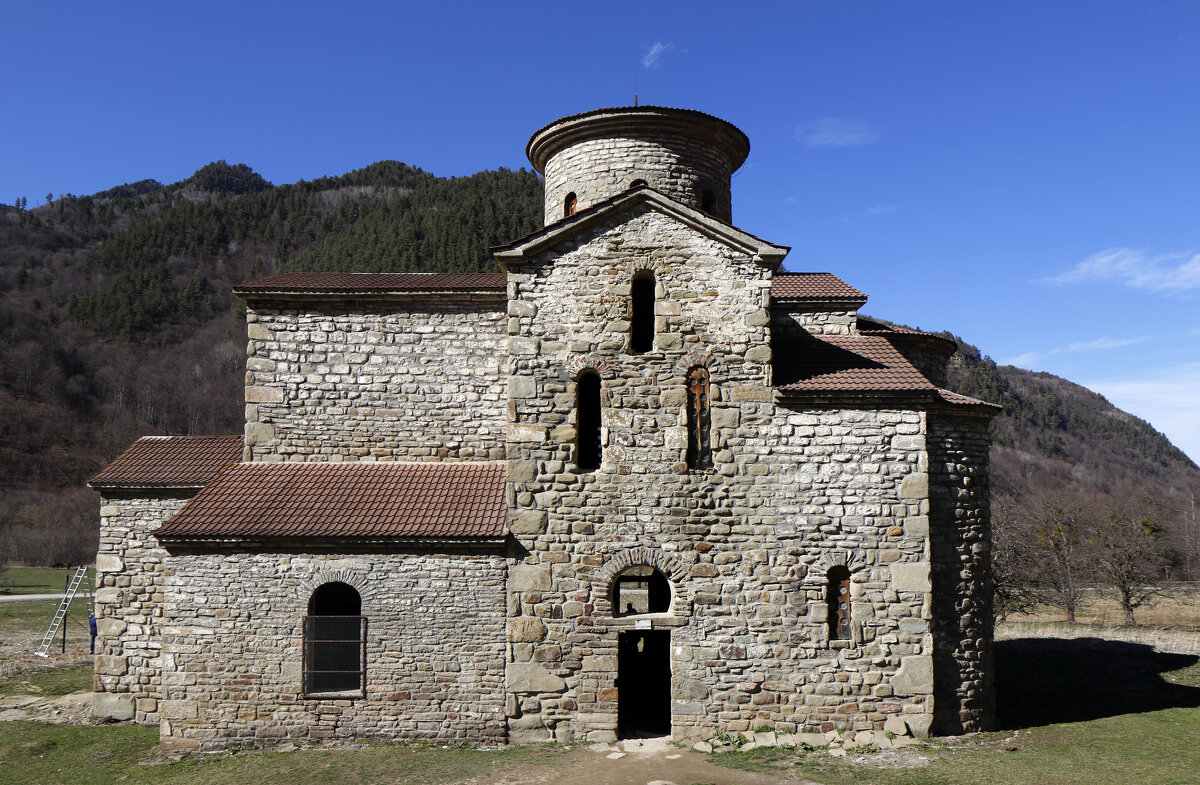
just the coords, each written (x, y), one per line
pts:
(812, 286)
(346, 283)
(844, 363)
(170, 462)
(347, 500)
(784, 286)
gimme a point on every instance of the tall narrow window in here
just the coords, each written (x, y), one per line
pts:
(838, 597)
(569, 205)
(699, 454)
(335, 640)
(708, 202)
(588, 449)
(641, 313)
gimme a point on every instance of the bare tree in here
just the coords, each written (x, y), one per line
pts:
(1014, 549)
(1060, 561)
(1130, 550)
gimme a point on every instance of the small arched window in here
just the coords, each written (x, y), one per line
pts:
(641, 589)
(335, 640)
(837, 594)
(708, 202)
(641, 313)
(588, 449)
(638, 183)
(699, 454)
(569, 205)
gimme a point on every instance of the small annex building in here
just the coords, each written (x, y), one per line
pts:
(641, 481)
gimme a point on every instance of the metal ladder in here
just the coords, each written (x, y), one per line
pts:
(61, 614)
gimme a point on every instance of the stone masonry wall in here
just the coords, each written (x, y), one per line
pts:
(816, 322)
(595, 169)
(746, 545)
(130, 571)
(962, 573)
(362, 383)
(435, 651)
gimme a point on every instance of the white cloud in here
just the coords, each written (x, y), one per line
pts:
(656, 50)
(1166, 398)
(1168, 272)
(1100, 344)
(835, 132)
(881, 209)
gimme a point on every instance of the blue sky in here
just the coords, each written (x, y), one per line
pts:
(1024, 174)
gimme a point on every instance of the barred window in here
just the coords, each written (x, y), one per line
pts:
(335, 641)
(838, 597)
(699, 453)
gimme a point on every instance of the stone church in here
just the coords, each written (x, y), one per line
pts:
(639, 482)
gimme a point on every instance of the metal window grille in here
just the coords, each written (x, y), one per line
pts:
(335, 654)
(839, 603)
(699, 454)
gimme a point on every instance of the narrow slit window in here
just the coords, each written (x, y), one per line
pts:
(641, 314)
(569, 205)
(588, 449)
(335, 640)
(708, 202)
(699, 455)
(838, 597)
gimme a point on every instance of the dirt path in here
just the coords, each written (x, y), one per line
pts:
(635, 762)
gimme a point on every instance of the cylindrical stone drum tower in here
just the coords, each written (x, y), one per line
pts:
(685, 154)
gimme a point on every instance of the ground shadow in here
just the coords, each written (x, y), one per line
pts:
(1041, 681)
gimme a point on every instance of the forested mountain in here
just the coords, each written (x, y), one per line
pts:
(116, 320)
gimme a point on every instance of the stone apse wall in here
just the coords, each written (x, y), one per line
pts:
(747, 545)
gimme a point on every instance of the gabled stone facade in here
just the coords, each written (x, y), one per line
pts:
(799, 510)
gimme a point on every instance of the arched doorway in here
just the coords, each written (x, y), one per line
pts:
(643, 654)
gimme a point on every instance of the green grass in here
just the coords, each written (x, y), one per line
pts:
(40, 580)
(63, 754)
(61, 681)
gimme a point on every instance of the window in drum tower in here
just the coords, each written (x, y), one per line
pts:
(569, 205)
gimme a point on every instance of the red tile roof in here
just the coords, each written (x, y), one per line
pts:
(844, 363)
(347, 500)
(957, 399)
(372, 283)
(812, 286)
(170, 462)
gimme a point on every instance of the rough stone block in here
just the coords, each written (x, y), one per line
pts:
(526, 629)
(111, 665)
(264, 395)
(260, 434)
(895, 725)
(526, 433)
(110, 628)
(113, 706)
(526, 577)
(919, 725)
(179, 710)
(107, 562)
(531, 677)
(915, 486)
(910, 576)
(527, 522)
(915, 676)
